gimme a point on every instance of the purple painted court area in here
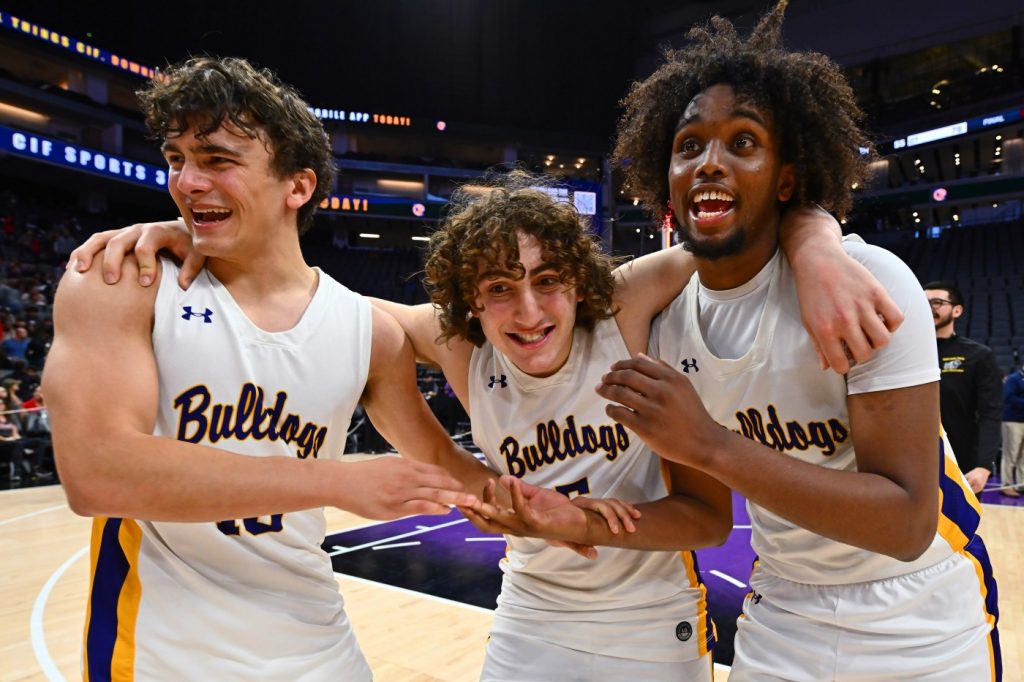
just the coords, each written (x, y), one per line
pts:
(447, 557)
(991, 494)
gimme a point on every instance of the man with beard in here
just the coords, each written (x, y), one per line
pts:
(868, 565)
(970, 393)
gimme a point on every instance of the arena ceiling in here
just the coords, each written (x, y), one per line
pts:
(555, 65)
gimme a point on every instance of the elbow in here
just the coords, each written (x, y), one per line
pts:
(86, 491)
(720, 531)
(84, 499)
(916, 540)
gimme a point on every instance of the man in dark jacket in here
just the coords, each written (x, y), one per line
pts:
(970, 393)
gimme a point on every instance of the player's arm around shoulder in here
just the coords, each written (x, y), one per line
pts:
(398, 410)
(423, 328)
(644, 287)
(100, 378)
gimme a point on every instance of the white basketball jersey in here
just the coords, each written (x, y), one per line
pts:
(242, 599)
(776, 393)
(553, 432)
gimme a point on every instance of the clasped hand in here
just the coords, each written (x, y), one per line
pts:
(549, 515)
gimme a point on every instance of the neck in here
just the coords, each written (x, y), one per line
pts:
(732, 271)
(944, 332)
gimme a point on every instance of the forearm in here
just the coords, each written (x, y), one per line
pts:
(464, 467)
(673, 523)
(159, 479)
(853, 507)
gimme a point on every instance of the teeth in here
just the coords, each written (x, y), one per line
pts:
(707, 195)
(530, 338)
(211, 214)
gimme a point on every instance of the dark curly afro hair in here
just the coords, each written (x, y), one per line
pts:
(482, 226)
(813, 109)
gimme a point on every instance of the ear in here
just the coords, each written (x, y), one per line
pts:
(958, 310)
(787, 182)
(302, 186)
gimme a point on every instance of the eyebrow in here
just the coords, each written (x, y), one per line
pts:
(750, 114)
(169, 146)
(495, 272)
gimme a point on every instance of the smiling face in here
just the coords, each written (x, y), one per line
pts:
(528, 317)
(231, 199)
(726, 179)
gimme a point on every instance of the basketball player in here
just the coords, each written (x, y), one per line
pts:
(866, 569)
(524, 298)
(203, 428)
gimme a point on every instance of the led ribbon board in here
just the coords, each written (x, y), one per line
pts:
(66, 42)
(75, 157)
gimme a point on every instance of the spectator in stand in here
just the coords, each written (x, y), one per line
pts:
(24, 455)
(1012, 467)
(969, 390)
(16, 345)
(39, 344)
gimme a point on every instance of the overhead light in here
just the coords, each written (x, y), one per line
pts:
(580, 160)
(638, 230)
(936, 91)
(550, 157)
(405, 185)
(956, 216)
(547, 163)
(998, 137)
(854, 186)
(915, 214)
(995, 205)
(369, 235)
(23, 115)
(635, 201)
(917, 220)
(418, 238)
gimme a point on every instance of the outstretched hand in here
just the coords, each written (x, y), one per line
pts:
(145, 240)
(391, 487)
(547, 514)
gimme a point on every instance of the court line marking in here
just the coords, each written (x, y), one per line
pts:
(338, 549)
(424, 595)
(415, 543)
(39, 647)
(35, 513)
(500, 538)
(727, 578)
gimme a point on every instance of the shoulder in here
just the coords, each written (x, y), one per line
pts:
(86, 295)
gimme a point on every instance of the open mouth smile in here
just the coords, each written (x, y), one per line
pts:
(531, 339)
(708, 205)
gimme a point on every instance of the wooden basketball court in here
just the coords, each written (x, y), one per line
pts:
(407, 637)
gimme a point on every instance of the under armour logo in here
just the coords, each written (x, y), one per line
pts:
(755, 597)
(207, 316)
(690, 364)
(498, 381)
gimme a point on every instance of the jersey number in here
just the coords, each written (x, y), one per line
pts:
(571, 490)
(253, 525)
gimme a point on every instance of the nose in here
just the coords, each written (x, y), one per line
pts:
(711, 161)
(528, 309)
(191, 179)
